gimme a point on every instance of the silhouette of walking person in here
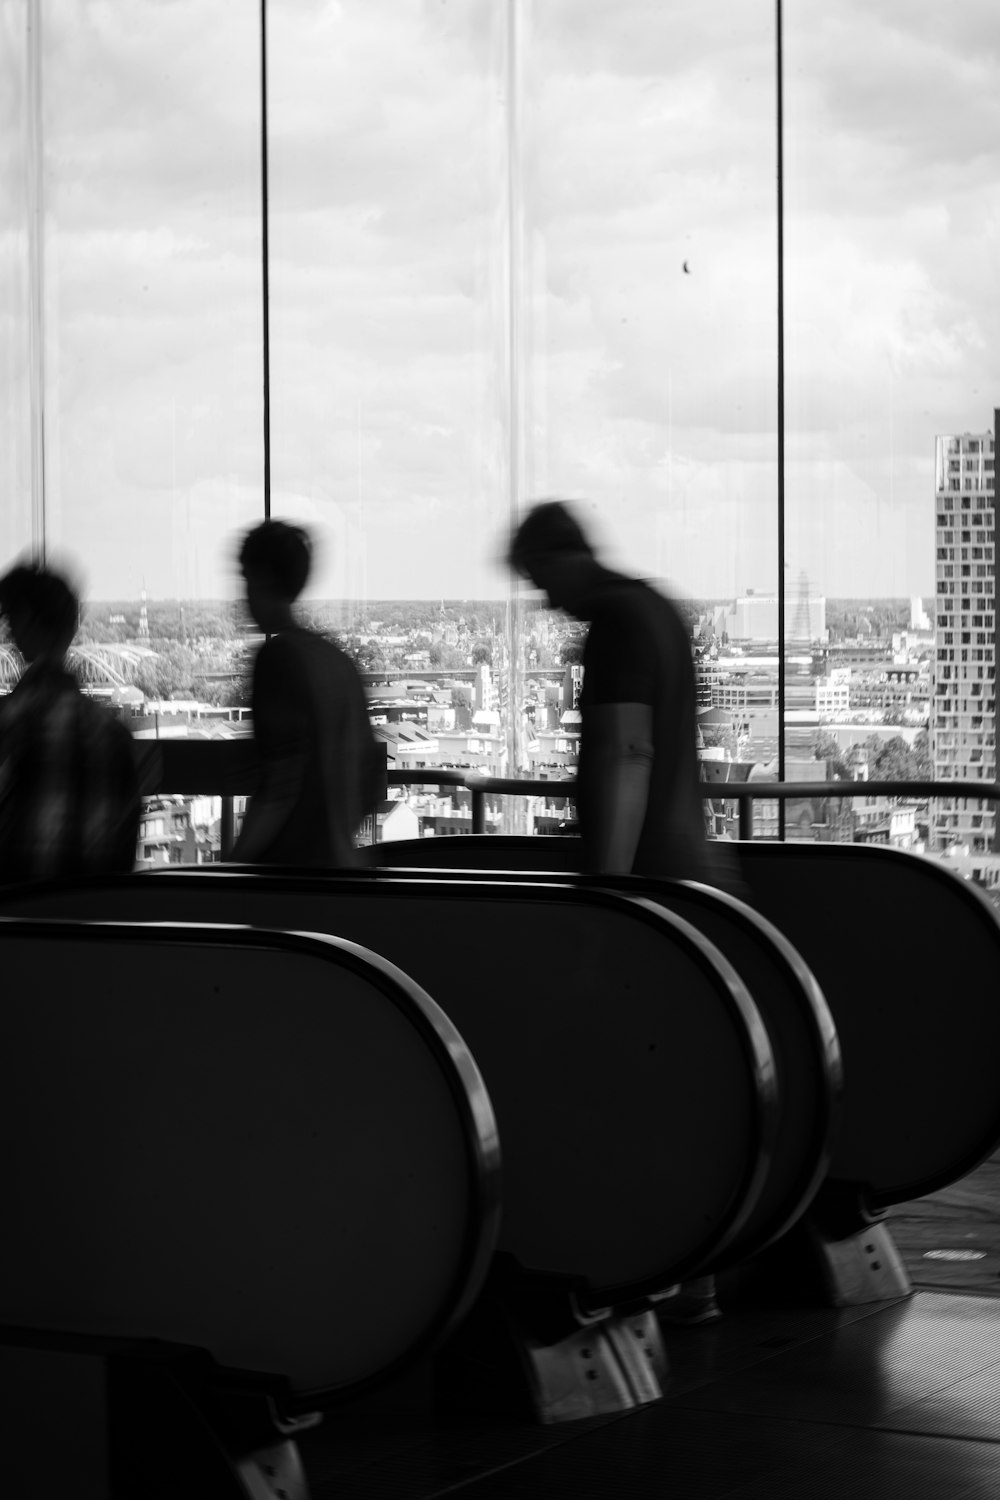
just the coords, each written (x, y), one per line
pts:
(638, 797)
(639, 792)
(319, 759)
(69, 787)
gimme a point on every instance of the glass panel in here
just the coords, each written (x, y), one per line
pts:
(151, 309)
(152, 312)
(387, 196)
(893, 232)
(388, 336)
(647, 267)
(15, 409)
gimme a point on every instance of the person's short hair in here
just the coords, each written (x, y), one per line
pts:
(548, 530)
(31, 591)
(283, 553)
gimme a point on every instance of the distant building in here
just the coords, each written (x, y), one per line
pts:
(833, 694)
(879, 818)
(395, 820)
(901, 687)
(754, 617)
(918, 615)
(167, 834)
(572, 685)
(963, 716)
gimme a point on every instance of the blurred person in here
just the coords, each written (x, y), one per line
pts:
(320, 761)
(69, 787)
(639, 790)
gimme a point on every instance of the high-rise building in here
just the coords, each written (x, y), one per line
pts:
(963, 705)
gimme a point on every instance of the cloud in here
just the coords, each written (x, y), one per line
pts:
(647, 141)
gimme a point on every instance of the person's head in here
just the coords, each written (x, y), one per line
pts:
(41, 609)
(275, 559)
(551, 549)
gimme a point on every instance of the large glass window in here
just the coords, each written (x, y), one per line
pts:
(390, 313)
(16, 177)
(646, 235)
(521, 249)
(389, 307)
(892, 233)
(151, 291)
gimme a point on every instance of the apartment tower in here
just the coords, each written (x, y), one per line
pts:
(963, 705)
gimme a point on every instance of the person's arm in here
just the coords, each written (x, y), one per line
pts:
(280, 731)
(619, 747)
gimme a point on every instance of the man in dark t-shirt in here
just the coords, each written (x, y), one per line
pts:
(638, 786)
(319, 759)
(639, 698)
(638, 795)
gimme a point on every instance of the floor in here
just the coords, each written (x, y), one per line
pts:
(951, 1240)
(897, 1399)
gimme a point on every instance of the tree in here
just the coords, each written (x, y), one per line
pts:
(239, 692)
(443, 655)
(482, 654)
(169, 673)
(893, 760)
(571, 651)
(366, 655)
(827, 748)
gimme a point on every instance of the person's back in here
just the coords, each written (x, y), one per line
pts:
(637, 651)
(69, 794)
(317, 751)
(308, 702)
(639, 792)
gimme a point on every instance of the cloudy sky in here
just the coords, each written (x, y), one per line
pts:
(447, 209)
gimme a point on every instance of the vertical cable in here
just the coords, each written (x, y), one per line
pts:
(779, 110)
(36, 277)
(265, 273)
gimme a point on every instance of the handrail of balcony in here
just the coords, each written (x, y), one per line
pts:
(743, 793)
(229, 768)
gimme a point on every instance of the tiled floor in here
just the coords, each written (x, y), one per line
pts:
(773, 1403)
(899, 1400)
(963, 1222)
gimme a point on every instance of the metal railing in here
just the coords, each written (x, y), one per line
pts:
(229, 768)
(743, 793)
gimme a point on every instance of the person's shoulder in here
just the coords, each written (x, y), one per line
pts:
(103, 730)
(287, 652)
(100, 714)
(327, 649)
(655, 604)
(322, 657)
(625, 601)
